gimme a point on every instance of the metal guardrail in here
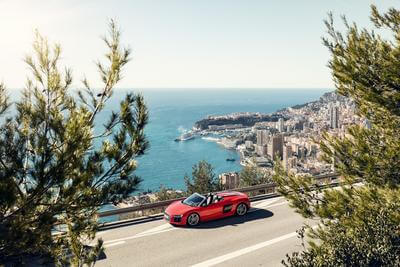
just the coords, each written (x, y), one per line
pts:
(165, 203)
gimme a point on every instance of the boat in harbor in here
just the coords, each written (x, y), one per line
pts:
(230, 159)
(185, 137)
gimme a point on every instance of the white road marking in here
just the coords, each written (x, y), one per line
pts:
(138, 236)
(114, 244)
(266, 203)
(240, 252)
(266, 200)
(278, 204)
(153, 233)
(157, 229)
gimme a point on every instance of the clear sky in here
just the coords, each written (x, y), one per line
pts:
(183, 43)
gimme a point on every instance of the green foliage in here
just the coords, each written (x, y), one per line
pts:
(55, 169)
(369, 235)
(252, 175)
(165, 193)
(4, 99)
(203, 179)
(359, 225)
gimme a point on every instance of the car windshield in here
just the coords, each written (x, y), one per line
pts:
(194, 200)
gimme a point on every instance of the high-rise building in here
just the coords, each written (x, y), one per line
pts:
(262, 141)
(262, 137)
(261, 150)
(229, 180)
(287, 153)
(248, 144)
(281, 125)
(301, 152)
(275, 146)
(334, 117)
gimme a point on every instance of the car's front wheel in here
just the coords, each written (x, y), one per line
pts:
(241, 209)
(193, 219)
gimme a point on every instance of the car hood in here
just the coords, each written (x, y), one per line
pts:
(178, 208)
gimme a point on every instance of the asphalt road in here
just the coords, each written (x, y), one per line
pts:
(261, 238)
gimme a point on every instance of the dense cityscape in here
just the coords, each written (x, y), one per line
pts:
(292, 136)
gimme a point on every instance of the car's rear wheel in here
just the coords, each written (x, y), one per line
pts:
(193, 219)
(241, 209)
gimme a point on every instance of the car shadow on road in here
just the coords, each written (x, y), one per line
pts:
(253, 215)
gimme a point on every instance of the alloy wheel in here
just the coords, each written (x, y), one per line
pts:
(193, 219)
(241, 209)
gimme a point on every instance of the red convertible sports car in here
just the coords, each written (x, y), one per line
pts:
(200, 208)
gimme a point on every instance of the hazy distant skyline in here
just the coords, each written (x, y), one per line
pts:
(183, 43)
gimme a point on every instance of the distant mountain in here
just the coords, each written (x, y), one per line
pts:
(250, 119)
(332, 97)
(245, 120)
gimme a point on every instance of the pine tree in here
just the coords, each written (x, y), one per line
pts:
(56, 171)
(203, 179)
(252, 175)
(359, 224)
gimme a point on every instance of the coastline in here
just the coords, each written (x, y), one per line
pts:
(291, 132)
(231, 137)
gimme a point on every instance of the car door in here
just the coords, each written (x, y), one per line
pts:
(208, 212)
(226, 207)
(223, 207)
(211, 211)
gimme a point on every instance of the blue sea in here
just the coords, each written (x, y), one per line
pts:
(172, 111)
